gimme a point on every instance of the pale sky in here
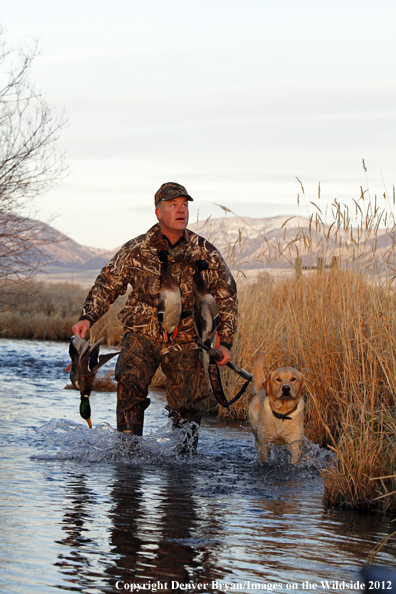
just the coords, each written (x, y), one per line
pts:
(233, 99)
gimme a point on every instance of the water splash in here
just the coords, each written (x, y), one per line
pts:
(313, 459)
(62, 439)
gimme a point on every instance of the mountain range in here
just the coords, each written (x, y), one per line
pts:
(248, 244)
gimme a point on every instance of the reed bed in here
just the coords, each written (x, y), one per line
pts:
(48, 314)
(52, 310)
(339, 330)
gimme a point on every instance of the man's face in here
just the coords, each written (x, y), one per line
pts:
(173, 215)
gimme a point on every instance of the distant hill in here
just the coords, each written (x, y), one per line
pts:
(67, 253)
(68, 261)
(248, 244)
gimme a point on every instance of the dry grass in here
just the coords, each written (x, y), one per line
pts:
(365, 454)
(105, 382)
(52, 310)
(109, 325)
(47, 315)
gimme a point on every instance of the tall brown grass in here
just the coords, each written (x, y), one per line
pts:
(339, 330)
(50, 313)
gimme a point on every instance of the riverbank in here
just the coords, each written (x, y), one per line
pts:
(50, 313)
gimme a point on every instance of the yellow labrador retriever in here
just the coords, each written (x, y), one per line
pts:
(276, 413)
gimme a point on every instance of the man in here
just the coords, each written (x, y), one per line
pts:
(145, 346)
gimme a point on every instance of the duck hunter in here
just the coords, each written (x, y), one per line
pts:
(166, 268)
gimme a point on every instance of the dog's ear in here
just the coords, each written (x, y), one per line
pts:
(258, 372)
(302, 379)
(267, 384)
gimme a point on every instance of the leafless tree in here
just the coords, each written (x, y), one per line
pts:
(30, 163)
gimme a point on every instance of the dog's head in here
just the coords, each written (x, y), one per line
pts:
(285, 383)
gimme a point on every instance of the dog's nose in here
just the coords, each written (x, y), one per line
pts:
(286, 389)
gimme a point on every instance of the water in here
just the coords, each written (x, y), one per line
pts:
(94, 511)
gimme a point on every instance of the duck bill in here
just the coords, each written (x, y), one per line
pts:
(89, 423)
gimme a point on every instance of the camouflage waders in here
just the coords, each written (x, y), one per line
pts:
(185, 382)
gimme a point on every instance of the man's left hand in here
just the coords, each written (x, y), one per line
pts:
(226, 355)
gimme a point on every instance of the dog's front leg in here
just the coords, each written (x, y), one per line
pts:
(262, 450)
(296, 450)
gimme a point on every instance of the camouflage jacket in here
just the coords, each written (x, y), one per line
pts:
(137, 263)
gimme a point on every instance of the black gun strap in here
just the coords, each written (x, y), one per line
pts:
(215, 381)
(240, 393)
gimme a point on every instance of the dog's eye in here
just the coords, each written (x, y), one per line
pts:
(293, 379)
(278, 379)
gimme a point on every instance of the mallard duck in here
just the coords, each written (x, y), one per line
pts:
(205, 311)
(85, 363)
(169, 306)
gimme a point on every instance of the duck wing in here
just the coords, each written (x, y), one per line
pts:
(205, 310)
(86, 361)
(206, 317)
(169, 306)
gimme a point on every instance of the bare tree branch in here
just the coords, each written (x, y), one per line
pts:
(30, 163)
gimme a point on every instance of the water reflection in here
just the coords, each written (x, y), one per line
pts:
(357, 530)
(161, 524)
(158, 531)
(77, 522)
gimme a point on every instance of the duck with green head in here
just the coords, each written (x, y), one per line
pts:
(85, 363)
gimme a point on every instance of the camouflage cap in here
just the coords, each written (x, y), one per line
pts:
(169, 191)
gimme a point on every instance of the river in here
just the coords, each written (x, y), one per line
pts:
(90, 510)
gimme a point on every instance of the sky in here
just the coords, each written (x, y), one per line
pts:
(233, 99)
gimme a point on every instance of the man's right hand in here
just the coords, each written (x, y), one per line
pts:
(81, 328)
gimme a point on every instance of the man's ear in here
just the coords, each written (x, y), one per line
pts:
(158, 213)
